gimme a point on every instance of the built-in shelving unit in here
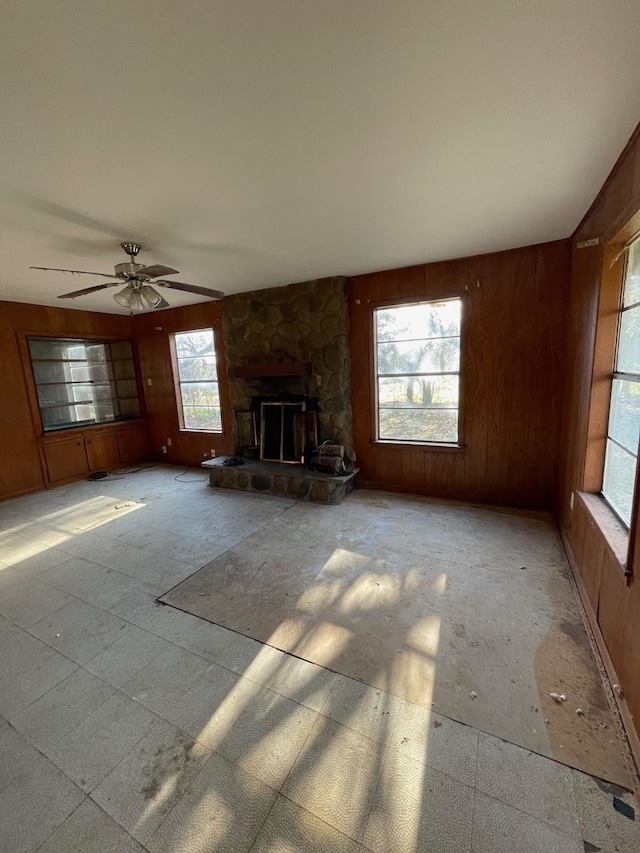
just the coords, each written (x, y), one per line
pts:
(80, 382)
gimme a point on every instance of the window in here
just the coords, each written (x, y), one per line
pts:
(417, 349)
(80, 382)
(197, 381)
(621, 455)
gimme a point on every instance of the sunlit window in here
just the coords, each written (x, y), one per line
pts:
(417, 349)
(81, 382)
(197, 381)
(621, 457)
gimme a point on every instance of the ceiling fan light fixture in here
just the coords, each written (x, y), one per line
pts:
(130, 298)
(151, 296)
(136, 305)
(124, 297)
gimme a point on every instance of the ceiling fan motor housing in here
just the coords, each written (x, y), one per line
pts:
(128, 270)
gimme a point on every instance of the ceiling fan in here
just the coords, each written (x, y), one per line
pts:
(138, 292)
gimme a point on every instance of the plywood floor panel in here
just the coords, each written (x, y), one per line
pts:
(464, 609)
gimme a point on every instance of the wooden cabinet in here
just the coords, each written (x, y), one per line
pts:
(133, 445)
(102, 450)
(66, 459)
(74, 454)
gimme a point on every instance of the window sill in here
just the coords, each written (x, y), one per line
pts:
(202, 431)
(611, 528)
(419, 445)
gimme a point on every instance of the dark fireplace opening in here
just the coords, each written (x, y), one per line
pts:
(281, 439)
(285, 428)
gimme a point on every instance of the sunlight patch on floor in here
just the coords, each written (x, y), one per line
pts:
(28, 538)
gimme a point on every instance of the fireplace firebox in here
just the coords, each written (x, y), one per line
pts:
(286, 428)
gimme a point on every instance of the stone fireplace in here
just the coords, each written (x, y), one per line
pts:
(290, 345)
(289, 373)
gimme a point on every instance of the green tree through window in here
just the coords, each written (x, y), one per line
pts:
(197, 379)
(418, 371)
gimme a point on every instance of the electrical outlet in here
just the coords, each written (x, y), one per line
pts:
(213, 453)
(164, 449)
(168, 442)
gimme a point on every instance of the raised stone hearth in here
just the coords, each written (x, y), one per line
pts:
(276, 478)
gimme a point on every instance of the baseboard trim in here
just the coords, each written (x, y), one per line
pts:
(626, 717)
(30, 491)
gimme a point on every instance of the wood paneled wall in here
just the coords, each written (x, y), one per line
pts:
(613, 606)
(20, 463)
(152, 333)
(513, 345)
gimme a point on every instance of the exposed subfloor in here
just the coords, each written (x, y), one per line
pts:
(462, 609)
(127, 725)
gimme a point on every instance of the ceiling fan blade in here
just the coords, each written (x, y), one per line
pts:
(192, 288)
(163, 304)
(86, 290)
(157, 270)
(75, 272)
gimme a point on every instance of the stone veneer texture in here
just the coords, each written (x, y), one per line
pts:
(306, 322)
(312, 487)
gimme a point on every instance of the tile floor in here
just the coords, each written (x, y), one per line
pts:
(129, 726)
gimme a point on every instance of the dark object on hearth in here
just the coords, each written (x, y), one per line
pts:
(234, 461)
(97, 475)
(624, 808)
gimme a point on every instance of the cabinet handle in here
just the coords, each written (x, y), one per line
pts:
(88, 441)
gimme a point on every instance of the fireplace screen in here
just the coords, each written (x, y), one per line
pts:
(283, 431)
(246, 429)
(285, 428)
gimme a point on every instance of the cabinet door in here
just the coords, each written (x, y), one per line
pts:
(133, 445)
(66, 458)
(102, 450)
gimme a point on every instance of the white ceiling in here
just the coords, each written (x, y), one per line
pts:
(250, 143)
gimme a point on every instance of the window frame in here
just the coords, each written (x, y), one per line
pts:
(606, 256)
(107, 342)
(177, 382)
(400, 302)
(626, 377)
